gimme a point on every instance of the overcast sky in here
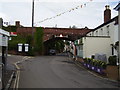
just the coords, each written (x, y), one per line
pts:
(90, 14)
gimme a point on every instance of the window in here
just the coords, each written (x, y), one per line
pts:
(92, 33)
(96, 33)
(101, 31)
(108, 33)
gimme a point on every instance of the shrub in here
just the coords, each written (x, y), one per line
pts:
(14, 42)
(20, 39)
(112, 60)
(103, 65)
(38, 47)
(85, 60)
(96, 63)
(89, 60)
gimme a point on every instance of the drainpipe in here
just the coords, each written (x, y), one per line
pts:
(119, 40)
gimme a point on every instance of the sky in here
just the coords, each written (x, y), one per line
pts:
(89, 12)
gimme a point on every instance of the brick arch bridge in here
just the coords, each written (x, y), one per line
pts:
(52, 34)
(71, 34)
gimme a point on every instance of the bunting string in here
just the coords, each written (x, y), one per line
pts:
(72, 9)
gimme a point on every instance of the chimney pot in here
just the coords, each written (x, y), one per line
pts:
(1, 22)
(107, 7)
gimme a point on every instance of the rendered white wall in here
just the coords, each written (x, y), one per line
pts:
(92, 45)
(103, 31)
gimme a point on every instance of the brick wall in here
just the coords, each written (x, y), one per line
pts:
(49, 32)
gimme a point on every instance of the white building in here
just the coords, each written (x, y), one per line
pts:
(105, 35)
(118, 9)
(103, 38)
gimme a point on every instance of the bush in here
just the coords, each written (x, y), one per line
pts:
(101, 64)
(104, 65)
(85, 60)
(112, 60)
(38, 41)
(14, 42)
(20, 39)
(96, 63)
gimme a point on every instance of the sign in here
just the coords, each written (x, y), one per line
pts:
(26, 47)
(20, 47)
(13, 33)
(1, 39)
(4, 41)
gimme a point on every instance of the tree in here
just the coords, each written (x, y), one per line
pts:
(38, 41)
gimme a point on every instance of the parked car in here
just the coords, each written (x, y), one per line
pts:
(52, 52)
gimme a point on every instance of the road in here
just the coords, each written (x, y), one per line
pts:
(58, 72)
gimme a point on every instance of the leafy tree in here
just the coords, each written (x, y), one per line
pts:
(38, 41)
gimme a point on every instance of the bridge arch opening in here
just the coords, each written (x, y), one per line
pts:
(56, 43)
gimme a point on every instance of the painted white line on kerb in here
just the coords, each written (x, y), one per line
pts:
(17, 76)
(16, 84)
(18, 79)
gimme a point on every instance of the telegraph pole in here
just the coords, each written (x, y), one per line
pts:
(32, 23)
(32, 13)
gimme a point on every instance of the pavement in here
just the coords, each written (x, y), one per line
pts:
(10, 70)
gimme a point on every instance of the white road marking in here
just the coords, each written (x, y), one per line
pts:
(16, 84)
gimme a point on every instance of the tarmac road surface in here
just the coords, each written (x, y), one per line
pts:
(58, 72)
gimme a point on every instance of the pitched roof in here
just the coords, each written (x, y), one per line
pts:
(114, 19)
(117, 7)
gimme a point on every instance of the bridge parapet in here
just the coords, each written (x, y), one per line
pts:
(49, 33)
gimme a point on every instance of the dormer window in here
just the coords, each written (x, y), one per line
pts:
(101, 31)
(92, 33)
(96, 33)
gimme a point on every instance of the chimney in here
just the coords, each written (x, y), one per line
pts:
(1, 22)
(17, 23)
(107, 14)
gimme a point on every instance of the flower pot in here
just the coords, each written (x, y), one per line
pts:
(88, 65)
(84, 64)
(92, 67)
(95, 68)
(98, 70)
